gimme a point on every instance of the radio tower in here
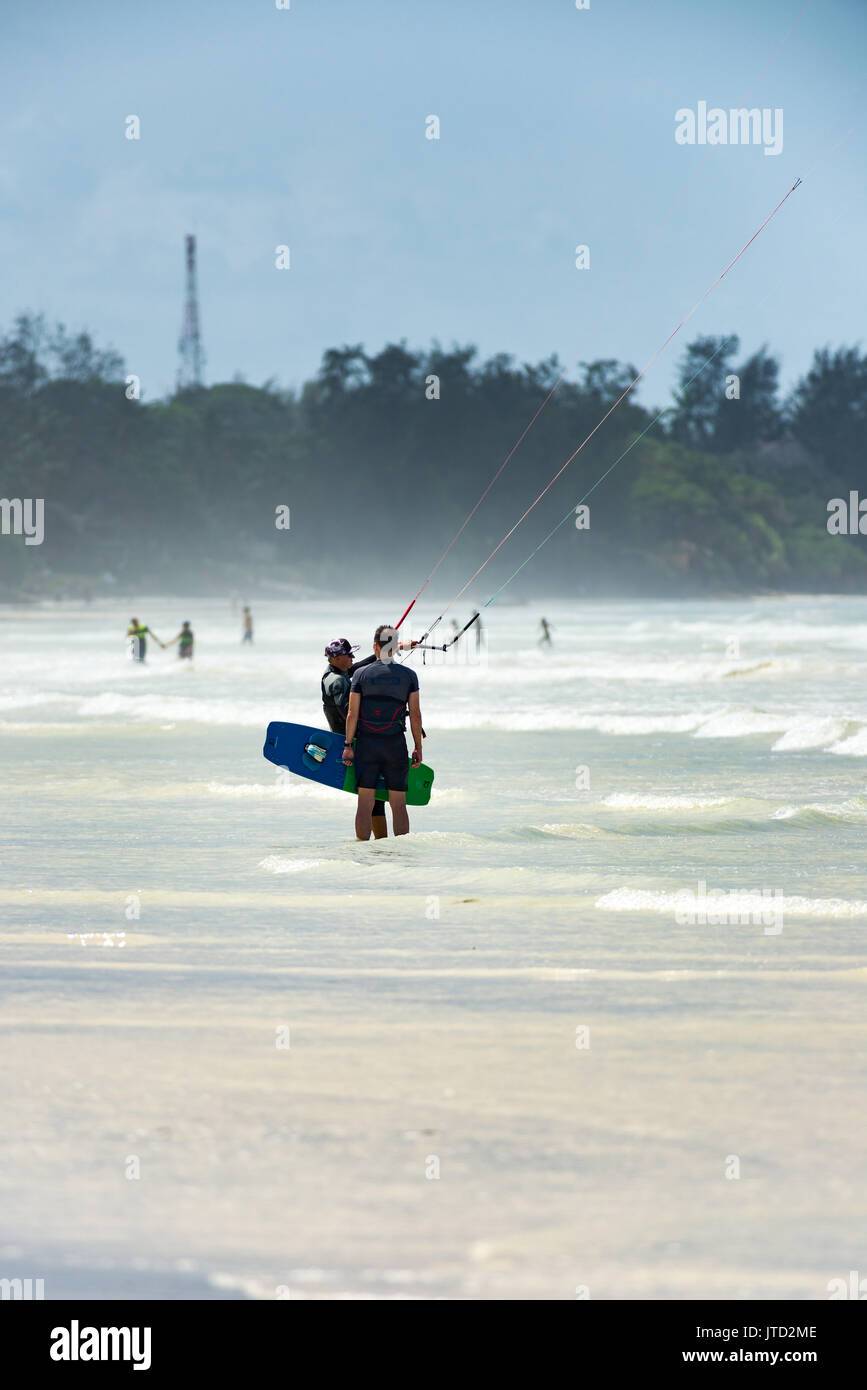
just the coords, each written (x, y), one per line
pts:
(190, 345)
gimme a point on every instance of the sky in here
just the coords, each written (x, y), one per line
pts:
(306, 127)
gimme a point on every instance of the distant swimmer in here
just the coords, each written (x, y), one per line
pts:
(184, 640)
(381, 694)
(138, 634)
(248, 626)
(546, 629)
(455, 628)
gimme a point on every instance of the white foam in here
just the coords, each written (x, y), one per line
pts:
(686, 670)
(29, 725)
(573, 830)
(280, 790)
(21, 701)
(854, 809)
(729, 900)
(277, 865)
(854, 747)
(553, 718)
(643, 723)
(743, 723)
(157, 709)
(817, 732)
(627, 801)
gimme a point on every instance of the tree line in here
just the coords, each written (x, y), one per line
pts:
(380, 456)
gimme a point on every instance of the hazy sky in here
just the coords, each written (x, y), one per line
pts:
(306, 127)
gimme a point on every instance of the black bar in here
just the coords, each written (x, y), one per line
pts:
(225, 1336)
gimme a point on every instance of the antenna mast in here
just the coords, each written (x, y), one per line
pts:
(190, 344)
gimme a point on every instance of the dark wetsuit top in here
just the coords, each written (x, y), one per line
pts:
(380, 747)
(335, 693)
(385, 688)
(335, 703)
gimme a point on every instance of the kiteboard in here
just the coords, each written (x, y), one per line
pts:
(318, 755)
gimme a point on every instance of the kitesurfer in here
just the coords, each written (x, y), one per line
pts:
(335, 702)
(381, 694)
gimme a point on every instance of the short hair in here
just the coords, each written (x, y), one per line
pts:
(385, 638)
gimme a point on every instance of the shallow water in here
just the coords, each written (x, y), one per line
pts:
(170, 901)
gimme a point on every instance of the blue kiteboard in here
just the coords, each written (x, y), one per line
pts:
(318, 755)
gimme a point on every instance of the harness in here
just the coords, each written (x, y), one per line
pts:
(400, 712)
(373, 712)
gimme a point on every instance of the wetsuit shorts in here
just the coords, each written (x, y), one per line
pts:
(382, 757)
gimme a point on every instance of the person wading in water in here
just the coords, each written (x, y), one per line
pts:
(381, 695)
(138, 634)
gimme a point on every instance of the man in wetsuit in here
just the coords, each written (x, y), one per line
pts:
(184, 640)
(335, 702)
(138, 633)
(381, 694)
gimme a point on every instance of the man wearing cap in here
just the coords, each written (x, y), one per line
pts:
(382, 693)
(335, 702)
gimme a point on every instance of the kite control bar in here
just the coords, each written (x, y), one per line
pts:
(423, 646)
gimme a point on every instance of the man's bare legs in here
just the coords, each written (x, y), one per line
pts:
(364, 815)
(399, 813)
(380, 823)
(364, 812)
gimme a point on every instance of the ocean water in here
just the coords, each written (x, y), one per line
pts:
(596, 1026)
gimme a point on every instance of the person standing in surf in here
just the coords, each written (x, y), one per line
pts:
(380, 697)
(138, 634)
(248, 626)
(335, 702)
(335, 685)
(185, 641)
